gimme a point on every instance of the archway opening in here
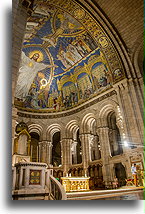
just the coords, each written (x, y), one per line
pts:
(96, 177)
(114, 135)
(120, 173)
(34, 146)
(56, 149)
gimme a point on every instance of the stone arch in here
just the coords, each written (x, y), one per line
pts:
(72, 132)
(87, 123)
(106, 107)
(36, 128)
(113, 34)
(110, 119)
(53, 135)
(138, 56)
(51, 130)
(71, 129)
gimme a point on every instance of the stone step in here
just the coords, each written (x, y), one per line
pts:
(102, 194)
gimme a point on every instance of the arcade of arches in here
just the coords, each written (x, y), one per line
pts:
(82, 112)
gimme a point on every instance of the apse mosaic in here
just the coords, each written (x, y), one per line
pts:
(66, 59)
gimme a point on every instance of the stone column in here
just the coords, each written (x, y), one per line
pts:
(66, 154)
(13, 178)
(86, 153)
(105, 154)
(112, 171)
(127, 164)
(45, 152)
(91, 147)
(74, 152)
(49, 152)
(131, 114)
(14, 119)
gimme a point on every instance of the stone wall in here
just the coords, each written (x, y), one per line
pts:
(126, 16)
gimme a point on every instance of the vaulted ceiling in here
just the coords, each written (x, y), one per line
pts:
(67, 58)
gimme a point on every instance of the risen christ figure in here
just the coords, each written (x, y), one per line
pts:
(27, 72)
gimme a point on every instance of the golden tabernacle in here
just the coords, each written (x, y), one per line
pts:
(75, 184)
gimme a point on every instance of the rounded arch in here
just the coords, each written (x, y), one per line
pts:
(110, 119)
(71, 129)
(88, 123)
(111, 32)
(51, 130)
(106, 107)
(138, 56)
(36, 129)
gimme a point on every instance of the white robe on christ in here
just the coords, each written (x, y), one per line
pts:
(27, 72)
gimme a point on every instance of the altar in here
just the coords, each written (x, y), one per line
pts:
(75, 184)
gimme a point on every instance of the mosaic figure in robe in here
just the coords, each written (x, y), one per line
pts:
(28, 70)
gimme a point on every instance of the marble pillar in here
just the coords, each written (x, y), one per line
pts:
(66, 154)
(45, 152)
(74, 151)
(86, 151)
(105, 154)
(133, 122)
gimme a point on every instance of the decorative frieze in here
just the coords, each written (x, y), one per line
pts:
(59, 115)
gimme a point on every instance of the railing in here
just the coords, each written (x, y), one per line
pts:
(57, 191)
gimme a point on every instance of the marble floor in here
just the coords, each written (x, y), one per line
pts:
(133, 196)
(126, 193)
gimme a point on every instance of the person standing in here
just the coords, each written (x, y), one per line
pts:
(115, 183)
(134, 173)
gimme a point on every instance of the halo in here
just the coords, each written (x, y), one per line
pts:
(41, 56)
(43, 82)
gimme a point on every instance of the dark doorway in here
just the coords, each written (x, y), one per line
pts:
(56, 149)
(34, 146)
(120, 173)
(79, 149)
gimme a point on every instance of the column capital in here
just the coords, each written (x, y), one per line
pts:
(105, 128)
(45, 143)
(74, 142)
(66, 140)
(86, 135)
